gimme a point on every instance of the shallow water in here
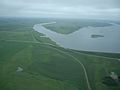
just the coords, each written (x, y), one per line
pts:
(81, 39)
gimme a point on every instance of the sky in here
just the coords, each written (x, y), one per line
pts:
(93, 9)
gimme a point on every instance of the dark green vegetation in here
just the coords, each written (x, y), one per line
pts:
(109, 81)
(96, 36)
(46, 67)
(70, 26)
(111, 55)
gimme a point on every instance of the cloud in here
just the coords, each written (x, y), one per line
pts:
(106, 9)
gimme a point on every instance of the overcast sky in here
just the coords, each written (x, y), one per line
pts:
(103, 9)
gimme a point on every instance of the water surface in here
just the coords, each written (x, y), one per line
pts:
(81, 39)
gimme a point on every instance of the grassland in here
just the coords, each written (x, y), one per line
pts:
(103, 54)
(46, 66)
(69, 26)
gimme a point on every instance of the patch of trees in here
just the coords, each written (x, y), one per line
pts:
(109, 81)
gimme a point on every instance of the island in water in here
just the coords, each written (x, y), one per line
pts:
(96, 36)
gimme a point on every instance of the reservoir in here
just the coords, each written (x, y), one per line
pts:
(99, 39)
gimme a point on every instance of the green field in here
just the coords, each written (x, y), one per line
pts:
(68, 26)
(46, 66)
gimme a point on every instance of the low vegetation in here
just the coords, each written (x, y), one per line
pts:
(70, 26)
(44, 66)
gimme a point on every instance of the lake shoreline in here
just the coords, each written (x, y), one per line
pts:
(64, 40)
